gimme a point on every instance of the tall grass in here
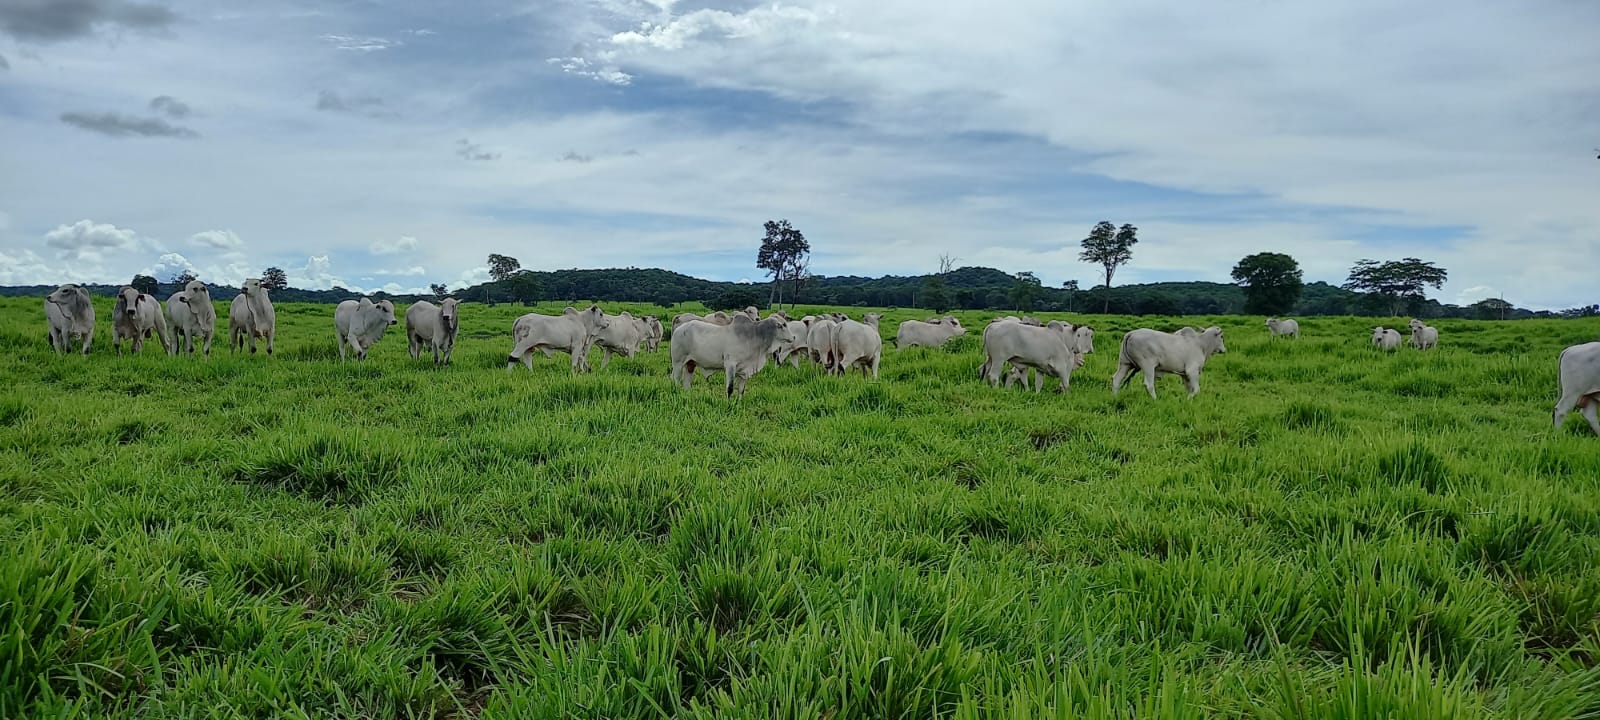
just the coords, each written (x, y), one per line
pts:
(1325, 532)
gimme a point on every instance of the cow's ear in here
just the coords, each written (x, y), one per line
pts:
(183, 299)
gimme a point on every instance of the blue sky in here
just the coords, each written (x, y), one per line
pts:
(394, 144)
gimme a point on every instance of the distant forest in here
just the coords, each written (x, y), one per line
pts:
(967, 288)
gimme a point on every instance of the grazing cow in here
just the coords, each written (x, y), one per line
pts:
(1580, 384)
(70, 316)
(1285, 327)
(192, 317)
(857, 344)
(361, 324)
(930, 333)
(653, 333)
(571, 332)
(739, 349)
(792, 351)
(251, 317)
(1048, 350)
(433, 326)
(819, 340)
(1423, 337)
(1385, 338)
(137, 316)
(1153, 351)
(621, 336)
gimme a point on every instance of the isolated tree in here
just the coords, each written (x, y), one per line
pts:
(1272, 282)
(523, 287)
(1071, 288)
(1109, 247)
(439, 290)
(274, 278)
(784, 251)
(934, 294)
(1398, 281)
(947, 263)
(145, 284)
(1025, 291)
(502, 266)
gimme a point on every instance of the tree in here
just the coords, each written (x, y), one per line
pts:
(274, 278)
(523, 287)
(947, 262)
(1025, 291)
(1272, 282)
(145, 284)
(440, 290)
(1399, 282)
(784, 251)
(934, 295)
(1071, 288)
(1109, 247)
(1492, 309)
(502, 267)
(181, 280)
(737, 297)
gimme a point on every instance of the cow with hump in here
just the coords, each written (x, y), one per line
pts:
(135, 317)
(1050, 350)
(1580, 384)
(740, 349)
(70, 316)
(571, 332)
(1183, 353)
(360, 325)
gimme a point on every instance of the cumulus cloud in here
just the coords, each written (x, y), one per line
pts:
(218, 239)
(404, 245)
(117, 125)
(57, 20)
(412, 271)
(169, 106)
(467, 150)
(85, 238)
(317, 274)
(23, 267)
(170, 265)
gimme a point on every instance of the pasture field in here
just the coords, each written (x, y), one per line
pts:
(1325, 532)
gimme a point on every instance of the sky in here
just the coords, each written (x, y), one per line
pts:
(390, 144)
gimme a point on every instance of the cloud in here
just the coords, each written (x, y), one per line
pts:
(170, 265)
(360, 44)
(57, 20)
(316, 274)
(23, 267)
(117, 125)
(414, 271)
(218, 239)
(584, 68)
(85, 238)
(467, 150)
(575, 157)
(170, 106)
(404, 245)
(370, 105)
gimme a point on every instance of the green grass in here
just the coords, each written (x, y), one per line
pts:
(1325, 532)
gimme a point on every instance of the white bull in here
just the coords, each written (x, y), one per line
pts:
(1580, 384)
(1048, 350)
(1181, 353)
(252, 317)
(192, 317)
(360, 325)
(739, 349)
(858, 344)
(572, 332)
(70, 315)
(434, 327)
(137, 316)
(929, 333)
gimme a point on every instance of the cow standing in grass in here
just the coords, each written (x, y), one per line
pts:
(1154, 352)
(1284, 328)
(360, 325)
(1385, 339)
(434, 327)
(70, 315)
(1423, 337)
(192, 317)
(572, 332)
(739, 349)
(252, 317)
(1580, 384)
(137, 316)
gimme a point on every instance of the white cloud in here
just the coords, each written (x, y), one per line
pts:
(360, 44)
(85, 238)
(316, 274)
(169, 265)
(218, 239)
(413, 271)
(26, 268)
(405, 244)
(583, 68)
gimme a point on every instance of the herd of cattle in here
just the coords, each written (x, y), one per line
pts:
(738, 344)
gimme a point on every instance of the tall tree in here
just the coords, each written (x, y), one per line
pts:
(523, 286)
(1110, 247)
(1025, 290)
(440, 290)
(502, 266)
(947, 263)
(1400, 282)
(783, 252)
(1493, 308)
(145, 284)
(181, 279)
(1272, 282)
(934, 295)
(274, 278)
(1071, 289)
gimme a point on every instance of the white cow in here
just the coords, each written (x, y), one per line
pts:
(360, 325)
(717, 318)
(819, 340)
(1385, 338)
(930, 333)
(1153, 351)
(622, 336)
(1286, 327)
(434, 327)
(1084, 339)
(1048, 350)
(192, 317)
(739, 349)
(1423, 337)
(250, 317)
(858, 344)
(137, 316)
(652, 339)
(1580, 384)
(571, 332)
(800, 346)
(70, 316)
(754, 313)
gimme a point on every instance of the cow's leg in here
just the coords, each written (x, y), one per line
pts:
(88, 338)
(875, 360)
(1121, 376)
(1590, 408)
(137, 343)
(116, 342)
(686, 372)
(271, 334)
(208, 344)
(1191, 380)
(605, 361)
(342, 344)
(414, 345)
(1150, 379)
(731, 371)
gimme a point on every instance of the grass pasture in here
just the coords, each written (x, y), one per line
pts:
(1325, 532)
